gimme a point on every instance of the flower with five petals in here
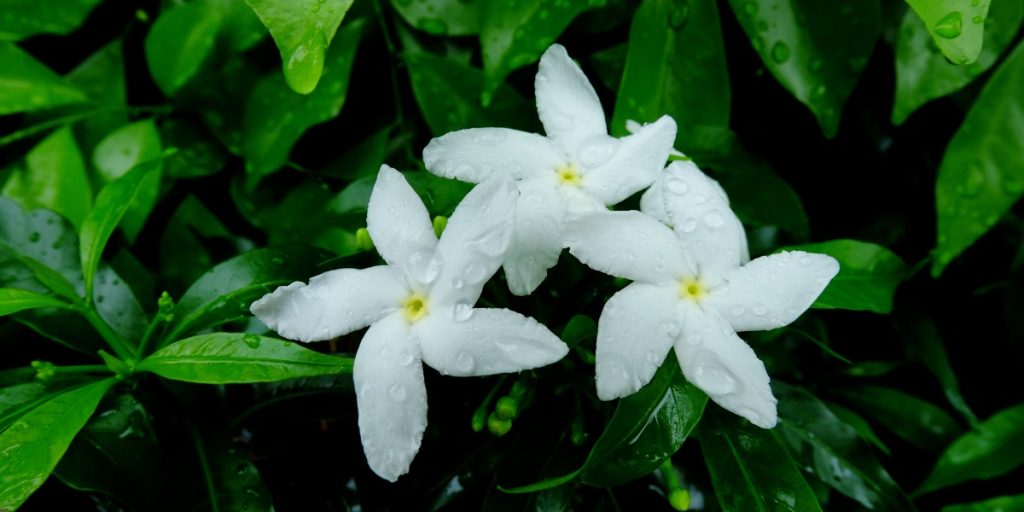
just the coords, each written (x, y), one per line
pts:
(419, 307)
(692, 292)
(576, 168)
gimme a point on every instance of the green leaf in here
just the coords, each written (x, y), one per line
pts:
(955, 26)
(34, 443)
(917, 421)
(121, 151)
(815, 49)
(102, 77)
(440, 17)
(181, 39)
(750, 470)
(995, 447)
(1000, 504)
(235, 358)
(924, 343)
(13, 300)
(647, 428)
(858, 423)
(275, 116)
(38, 251)
(923, 73)
(675, 66)
(982, 172)
(609, 65)
(22, 19)
(362, 160)
(229, 481)
(440, 195)
(114, 455)
(224, 293)
(514, 34)
(831, 450)
(53, 176)
(447, 92)
(197, 152)
(303, 31)
(26, 85)
(578, 329)
(868, 275)
(183, 252)
(112, 203)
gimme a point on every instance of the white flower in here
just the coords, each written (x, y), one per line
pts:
(419, 308)
(577, 168)
(693, 293)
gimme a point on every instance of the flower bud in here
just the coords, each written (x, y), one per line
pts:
(507, 408)
(497, 425)
(363, 240)
(439, 224)
(45, 370)
(679, 499)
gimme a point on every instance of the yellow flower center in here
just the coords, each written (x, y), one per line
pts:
(569, 174)
(414, 307)
(691, 289)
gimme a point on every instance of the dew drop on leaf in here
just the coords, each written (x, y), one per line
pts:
(949, 25)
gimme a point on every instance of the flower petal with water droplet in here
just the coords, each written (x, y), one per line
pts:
(635, 164)
(567, 104)
(400, 225)
(476, 154)
(630, 245)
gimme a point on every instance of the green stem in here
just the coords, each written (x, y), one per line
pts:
(113, 339)
(157, 321)
(204, 464)
(669, 474)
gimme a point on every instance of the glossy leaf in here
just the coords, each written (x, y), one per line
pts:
(447, 93)
(101, 76)
(27, 85)
(868, 275)
(197, 152)
(917, 421)
(1000, 504)
(816, 50)
(982, 172)
(440, 17)
(180, 41)
(861, 425)
(235, 358)
(184, 255)
(923, 73)
(750, 470)
(514, 34)
(121, 151)
(275, 116)
(648, 427)
(112, 203)
(675, 66)
(116, 303)
(38, 251)
(53, 176)
(578, 329)
(224, 293)
(826, 447)
(303, 31)
(924, 343)
(228, 480)
(13, 300)
(23, 19)
(995, 447)
(34, 443)
(956, 27)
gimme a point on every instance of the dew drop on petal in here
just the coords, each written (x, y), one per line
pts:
(714, 379)
(676, 186)
(714, 219)
(397, 392)
(405, 358)
(462, 311)
(464, 362)
(688, 225)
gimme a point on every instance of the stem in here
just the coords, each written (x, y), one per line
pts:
(204, 464)
(148, 335)
(669, 474)
(113, 339)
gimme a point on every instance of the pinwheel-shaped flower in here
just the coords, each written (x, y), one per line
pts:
(419, 308)
(692, 293)
(577, 168)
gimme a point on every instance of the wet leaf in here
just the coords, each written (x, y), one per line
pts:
(27, 85)
(956, 27)
(917, 421)
(22, 19)
(13, 300)
(440, 17)
(181, 40)
(868, 275)
(53, 176)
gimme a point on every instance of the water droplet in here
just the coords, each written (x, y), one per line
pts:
(814, 65)
(464, 362)
(978, 20)
(457, 283)
(714, 379)
(750, 8)
(780, 52)
(251, 340)
(671, 329)
(676, 186)
(949, 25)
(738, 310)
(397, 392)
(678, 17)
(597, 153)
(714, 219)
(490, 137)
(760, 310)
(805, 261)
(975, 179)
(405, 358)
(462, 311)
(818, 92)
(33, 236)
(474, 273)
(688, 225)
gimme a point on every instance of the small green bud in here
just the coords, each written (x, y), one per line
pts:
(45, 370)
(439, 224)
(479, 419)
(497, 425)
(679, 499)
(142, 15)
(165, 307)
(518, 390)
(507, 408)
(363, 240)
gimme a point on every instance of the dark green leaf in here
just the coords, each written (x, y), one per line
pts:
(13, 300)
(647, 428)
(578, 329)
(447, 92)
(196, 151)
(303, 31)
(184, 255)
(180, 41)
(23, 19)
(868, 275)
(364, 159)
(859, 424)
(1000, 504)
(924, 343)
(441, 195)
(101, 77)
(116, 303)
(53, 176)
(26, 85)
(750, 469)
(923, 73)
(816, 50)
(994, 448)
(38, 251)
(982, 172)
(609, 64)
(826, 447)
(440, 17)
(919, 422)
(233, 358)
(34, 443)
(121, 151)
(956, 27)
(276, 116)
(232, 482)
(675, 66)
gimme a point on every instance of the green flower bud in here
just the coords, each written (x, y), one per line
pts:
(45, 370)
(439, 224)
(363, 240)
(679, 499)
(498, 425)
(507, 408)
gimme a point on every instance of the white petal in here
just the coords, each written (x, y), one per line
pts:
(718, 362)
(627, 244)
(566, 102)
(476, 154)
(702, 219)
(332, 304)
(772, 291)
(391, 396)
(400, 227)
(633, 164)
(537, 237)
(468, 342)
(475, 241)
(635, 331)
(652, 203)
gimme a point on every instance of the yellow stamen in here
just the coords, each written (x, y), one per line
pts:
(569, 174)
(414, 307)
(691, 289)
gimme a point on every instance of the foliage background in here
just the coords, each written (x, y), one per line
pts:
(852, 129)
